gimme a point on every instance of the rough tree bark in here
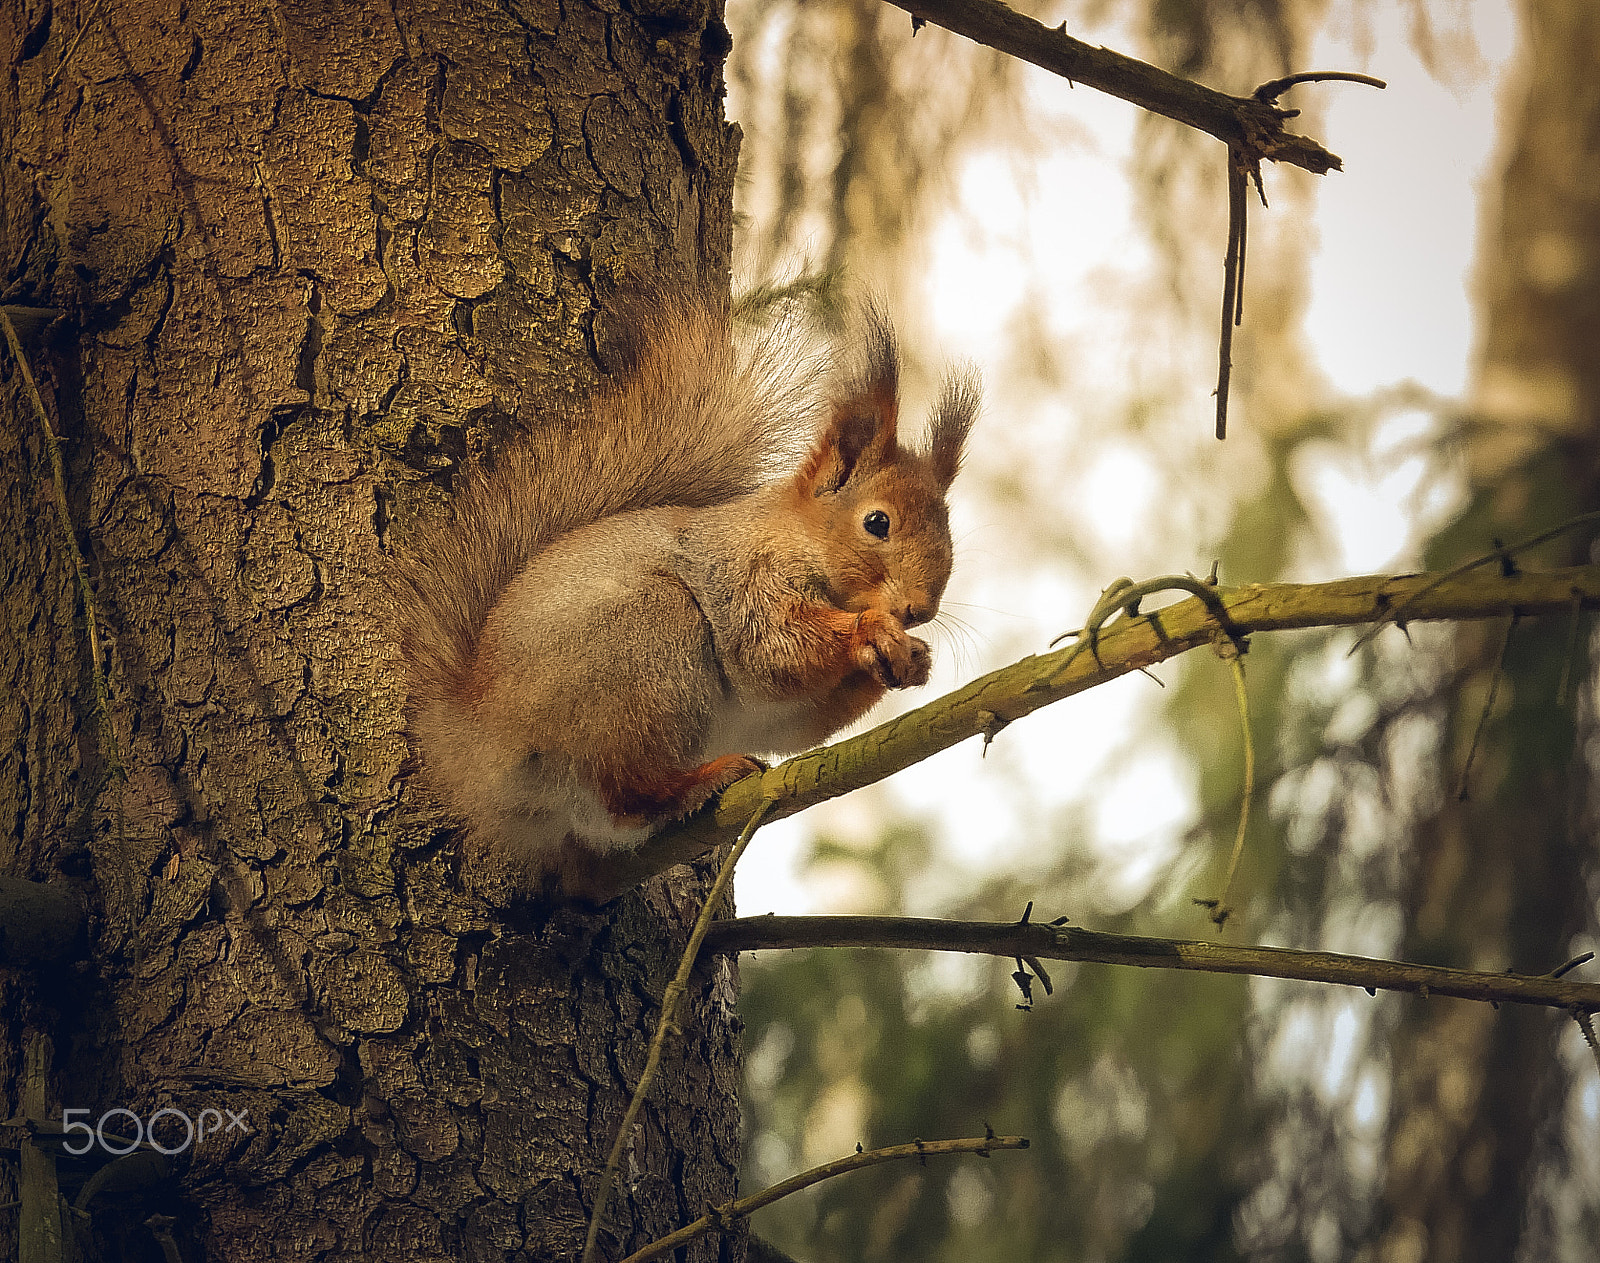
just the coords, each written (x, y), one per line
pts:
(312, 253)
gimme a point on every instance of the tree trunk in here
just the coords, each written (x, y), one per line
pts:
(311, 254)
(1500, 880)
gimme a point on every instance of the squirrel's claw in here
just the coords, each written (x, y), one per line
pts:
(885, 652)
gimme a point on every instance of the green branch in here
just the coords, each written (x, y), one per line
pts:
(990, 703)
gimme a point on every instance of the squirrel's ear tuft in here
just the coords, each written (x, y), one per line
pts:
(865, 410)
(952, 420)
(842, 447)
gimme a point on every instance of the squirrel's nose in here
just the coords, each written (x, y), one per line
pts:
(913, 615)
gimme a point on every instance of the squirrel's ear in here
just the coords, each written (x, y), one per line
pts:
(843, 448)
(952, 420)
(865, 413)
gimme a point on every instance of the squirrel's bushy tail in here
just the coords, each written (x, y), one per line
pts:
(691, 420)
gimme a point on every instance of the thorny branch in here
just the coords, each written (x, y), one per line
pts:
(724, 1215)
(1131, 643)
(1251, 127)
(1061, 942)
(1252, 124)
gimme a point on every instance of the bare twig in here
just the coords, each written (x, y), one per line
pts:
(1232, 279)
(1251, 127)
(66, 58)
(1220, 910)
(1062, 942)
(80, 569)
(991, 702)
(28, 321)
(1572, 649)
(1274, 88)
(1123, 596)
(1255, 125)
(724, 1215)
(1398, 612)
(110, 751)
(1488, 706)
(666, 1024)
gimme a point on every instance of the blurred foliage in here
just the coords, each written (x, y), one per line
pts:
(1126, 1118)
(1176, 1117)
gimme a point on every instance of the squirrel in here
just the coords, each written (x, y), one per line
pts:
(710, 556)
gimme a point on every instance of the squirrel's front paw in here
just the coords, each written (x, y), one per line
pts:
(921, 662)
(884, 651)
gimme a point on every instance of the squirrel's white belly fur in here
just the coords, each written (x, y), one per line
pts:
(759, 725)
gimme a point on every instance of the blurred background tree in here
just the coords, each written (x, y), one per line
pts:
(1179, 1117)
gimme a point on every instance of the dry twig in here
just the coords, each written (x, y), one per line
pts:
(1064, 942)
(666, 1024)
(724, 1215)
(1251, 127)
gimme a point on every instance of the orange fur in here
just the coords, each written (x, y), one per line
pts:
(630, 601)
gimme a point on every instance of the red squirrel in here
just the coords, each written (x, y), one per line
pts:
(631, 601)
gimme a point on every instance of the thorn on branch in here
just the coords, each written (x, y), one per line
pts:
(720, 1216)
(1581, 1016)
(1572, 964)
(1269, 92)
(1219, 912)
(991, 726)
(1024, 981)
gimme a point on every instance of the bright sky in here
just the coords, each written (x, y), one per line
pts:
(1390, 279)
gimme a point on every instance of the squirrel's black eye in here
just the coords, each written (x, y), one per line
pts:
(877, 523)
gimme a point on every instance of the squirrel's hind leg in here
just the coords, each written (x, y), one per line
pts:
(662, 794)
